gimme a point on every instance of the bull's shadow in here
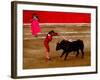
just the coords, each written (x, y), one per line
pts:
(70, 46)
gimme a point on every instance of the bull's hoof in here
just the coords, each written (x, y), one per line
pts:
(64, 59)
(82, 57)
(76, 55)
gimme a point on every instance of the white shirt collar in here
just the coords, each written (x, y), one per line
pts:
(49, 35)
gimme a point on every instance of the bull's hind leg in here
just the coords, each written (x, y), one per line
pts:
(77, 53)
(82, 53)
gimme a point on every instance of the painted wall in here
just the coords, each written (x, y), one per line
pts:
(57, 17)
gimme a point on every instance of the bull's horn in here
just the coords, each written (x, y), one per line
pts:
(58, 41)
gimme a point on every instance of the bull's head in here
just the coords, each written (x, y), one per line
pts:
(58, 46)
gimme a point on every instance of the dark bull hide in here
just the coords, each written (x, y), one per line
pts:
(68, 46)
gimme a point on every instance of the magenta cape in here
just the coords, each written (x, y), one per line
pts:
(35, 28)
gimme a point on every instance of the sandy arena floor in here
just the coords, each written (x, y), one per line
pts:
(34, 51)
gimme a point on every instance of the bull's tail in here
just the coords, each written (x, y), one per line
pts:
(81, 47)
(81, 43)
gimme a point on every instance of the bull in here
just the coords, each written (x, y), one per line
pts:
(70, 46)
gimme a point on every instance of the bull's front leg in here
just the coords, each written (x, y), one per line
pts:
(66, 56)
(62, 53)
(82, 53)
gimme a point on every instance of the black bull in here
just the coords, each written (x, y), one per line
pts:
(68, 46)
